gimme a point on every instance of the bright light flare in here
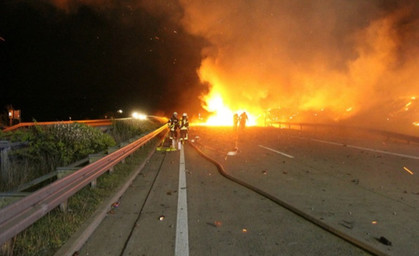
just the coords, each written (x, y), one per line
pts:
(139, 116)
(222, 115)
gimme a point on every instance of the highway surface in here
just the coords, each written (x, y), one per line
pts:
(365, 187)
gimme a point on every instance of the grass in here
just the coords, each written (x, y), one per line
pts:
(48, 234)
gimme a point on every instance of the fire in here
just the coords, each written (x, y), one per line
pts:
(221, 114)
(307, 68)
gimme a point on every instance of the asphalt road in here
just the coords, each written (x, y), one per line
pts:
(361, 185)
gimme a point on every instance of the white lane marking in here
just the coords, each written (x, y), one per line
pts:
(367, 149)
(182, 241)
(276, 151)
(328, 142)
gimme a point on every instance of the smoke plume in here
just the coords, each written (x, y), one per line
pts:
(334, 60)
(351, 59)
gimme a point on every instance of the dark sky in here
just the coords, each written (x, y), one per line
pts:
(89, 60)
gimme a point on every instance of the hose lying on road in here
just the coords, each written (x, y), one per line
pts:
(360, 244)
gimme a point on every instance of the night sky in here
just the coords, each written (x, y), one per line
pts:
(85, 61)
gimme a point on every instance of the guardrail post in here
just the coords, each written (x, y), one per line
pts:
(4, 159)
(62, 172)
(93, 158)
(64, 206)
(93, 183)
(7, 248)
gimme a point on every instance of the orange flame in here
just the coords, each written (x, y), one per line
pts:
(257, 60)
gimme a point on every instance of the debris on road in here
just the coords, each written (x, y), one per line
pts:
(215, 224)
(161, 217)
(384, 241)
(347, 224)
(407, 170)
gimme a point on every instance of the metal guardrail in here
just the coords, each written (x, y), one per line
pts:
(400, 136)
(23, 213)
(98, 122)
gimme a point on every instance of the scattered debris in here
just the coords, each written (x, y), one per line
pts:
(76, 253)
(161, 217)
(215, 224)
(169, 193)
(212, 224)
(231, 153)
(285, 172)
(244, 230)
(356, 181)
(384, 240)
(347, 224)
(407, 170)
(264, 172)
(374, 222)
(115, 205)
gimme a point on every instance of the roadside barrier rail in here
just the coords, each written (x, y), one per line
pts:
(98, 122)
(395, 135)
(23, 213)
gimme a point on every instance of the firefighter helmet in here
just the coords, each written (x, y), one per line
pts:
(184, 114)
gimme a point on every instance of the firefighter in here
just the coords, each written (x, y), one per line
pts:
(236, 119)
(173, 124)
(243, 119)
(184, 128)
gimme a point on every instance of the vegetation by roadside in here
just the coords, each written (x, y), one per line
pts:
(59, 145)
(47, 235)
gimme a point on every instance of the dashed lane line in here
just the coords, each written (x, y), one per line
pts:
(367, 149)
(276, 151)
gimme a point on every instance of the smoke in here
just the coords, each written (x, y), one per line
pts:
(348, 57)
(354, 60)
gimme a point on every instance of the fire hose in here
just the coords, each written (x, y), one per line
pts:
(358, 243)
